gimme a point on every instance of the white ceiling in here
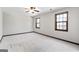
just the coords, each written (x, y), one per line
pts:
(39, 3)
(47, 9)
(44, 10)
(21, 10)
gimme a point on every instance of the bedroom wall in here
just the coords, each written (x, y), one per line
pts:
(16, 21)
(48, 24)
(1, 32)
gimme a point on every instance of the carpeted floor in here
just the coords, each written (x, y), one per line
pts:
(33, 42)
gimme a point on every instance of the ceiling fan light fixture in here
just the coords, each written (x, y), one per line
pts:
(32, 10)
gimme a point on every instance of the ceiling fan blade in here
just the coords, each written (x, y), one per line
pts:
(36, 10)
(32, 8)
(26, 11)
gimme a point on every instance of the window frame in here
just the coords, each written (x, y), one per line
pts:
(61, 21)
(37, 23)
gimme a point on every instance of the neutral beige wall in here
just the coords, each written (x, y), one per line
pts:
(48, 24)
(15, 21)
(1, 33)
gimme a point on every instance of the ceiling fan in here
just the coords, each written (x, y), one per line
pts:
(32, 10)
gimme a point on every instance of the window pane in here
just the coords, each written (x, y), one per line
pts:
(64, 27)
(64, 23)
(65, 15)
(65, 19)
(58, 23)
(61, 17)
(61, 21)
(58, 26)
(58, 17)
(38, 20)
(61, 26)
(38, 25)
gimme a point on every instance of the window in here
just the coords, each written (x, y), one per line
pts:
(61, 21)
(38, 23)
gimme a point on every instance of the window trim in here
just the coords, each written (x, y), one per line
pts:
(61, 21)
(36, 23)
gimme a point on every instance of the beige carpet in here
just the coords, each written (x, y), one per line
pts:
(33, 42)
